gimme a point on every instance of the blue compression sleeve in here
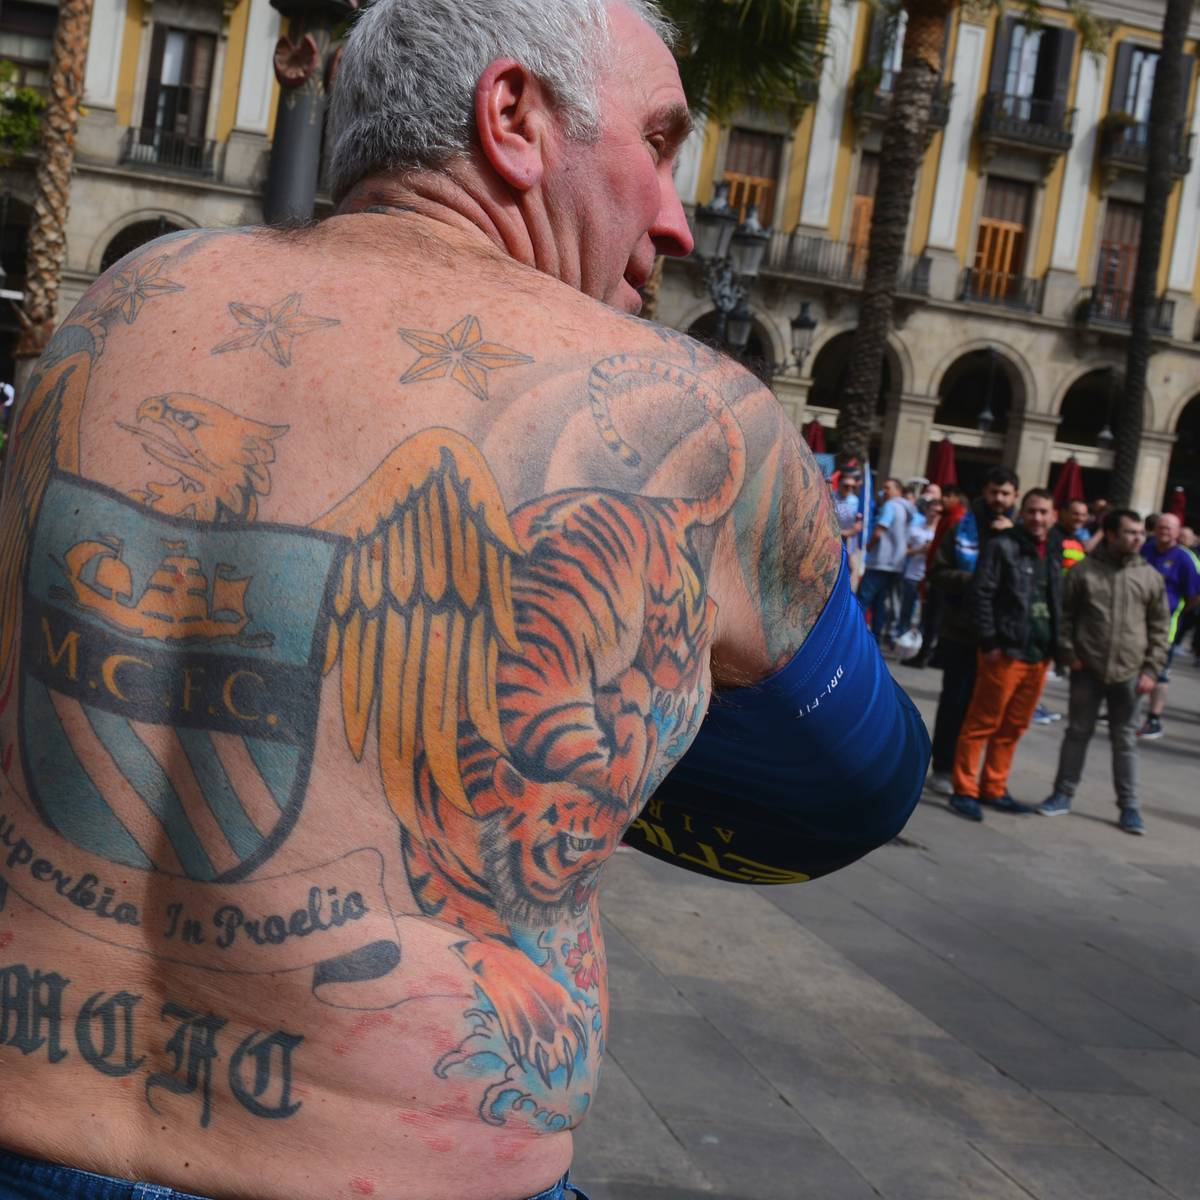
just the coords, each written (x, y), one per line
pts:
(801, 774)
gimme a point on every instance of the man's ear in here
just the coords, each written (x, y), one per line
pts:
(512, 115)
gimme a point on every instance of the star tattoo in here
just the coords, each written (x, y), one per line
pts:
(272, 328)
(134, 286)
(461, 353)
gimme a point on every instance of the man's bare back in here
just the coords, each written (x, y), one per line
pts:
(350, 612)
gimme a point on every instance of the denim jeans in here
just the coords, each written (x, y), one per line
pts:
(875, 595)
(1087, 693)
(31, 1179)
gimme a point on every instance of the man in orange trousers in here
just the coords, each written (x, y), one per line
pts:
(1016, 600)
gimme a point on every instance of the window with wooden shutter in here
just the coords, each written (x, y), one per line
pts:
(26, 39)
(862, 210)
(752, 171)
(179, 82)
(1000, 247)
(1118, 259)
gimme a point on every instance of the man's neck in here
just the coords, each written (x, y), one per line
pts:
(462, 202)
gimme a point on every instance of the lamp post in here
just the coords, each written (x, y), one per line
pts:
(731, 254)
(305, 62)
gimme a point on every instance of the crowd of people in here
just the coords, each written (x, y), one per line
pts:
(999, 591)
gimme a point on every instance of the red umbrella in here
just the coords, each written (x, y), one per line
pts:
(1178, 504)
(941, 469)
(814, 435)
(1069, 485)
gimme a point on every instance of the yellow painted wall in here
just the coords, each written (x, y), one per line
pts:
(1176, 200)
(1052, 196)
(927, 184)
(793, 197)
(845, 153)
(235, 53)
(131, 45)
(966, 214)
(708, 161)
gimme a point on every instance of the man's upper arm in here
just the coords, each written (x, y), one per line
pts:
(778, 553)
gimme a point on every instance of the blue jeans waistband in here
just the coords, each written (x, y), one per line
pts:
(33, 1179)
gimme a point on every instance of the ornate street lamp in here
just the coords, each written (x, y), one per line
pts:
(804, 329)
(731, 255)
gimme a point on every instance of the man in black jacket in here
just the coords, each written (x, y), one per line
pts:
(951, 572)
(1016, 603)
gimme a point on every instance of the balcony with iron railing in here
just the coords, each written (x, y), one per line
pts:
(1109, 307)
(840, 263)
(872, 99)
(982, 285)
(1027, 123)
(174, 153)
(1125, 146)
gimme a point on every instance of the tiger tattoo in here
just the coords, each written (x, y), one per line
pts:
(613, 622)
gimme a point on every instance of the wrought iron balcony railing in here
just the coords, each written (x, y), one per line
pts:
(1046, 126)
(843, 263)
(1125, 145)
(163, 150)
(1113, 307)
(980, 285)
(872, 104)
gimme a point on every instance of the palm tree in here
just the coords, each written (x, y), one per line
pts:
(47, 234)
(899, 160)
(1166, 123)
(735, 54)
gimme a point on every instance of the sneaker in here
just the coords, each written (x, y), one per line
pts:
(1055, 805)
(1131, 821)
(1042, 715)
(1152, 730)
(940, 783)
(966, 806)
(1007, 804)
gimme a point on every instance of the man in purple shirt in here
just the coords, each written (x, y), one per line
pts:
(1181, 574)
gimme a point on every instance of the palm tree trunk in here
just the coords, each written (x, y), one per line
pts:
(899, 161)
(48, 233)
(1166, 124)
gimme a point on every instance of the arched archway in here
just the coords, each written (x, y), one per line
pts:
(1184, 470)
(830, 370)
(832, 366)
(758, 356)
(1087, 408)
(980, 391)
(134, 236)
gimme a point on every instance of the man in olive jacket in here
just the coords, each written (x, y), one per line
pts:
(1114, 634)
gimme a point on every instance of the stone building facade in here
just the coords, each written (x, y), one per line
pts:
(1013, 311)
(179, 106)
(1021, 244)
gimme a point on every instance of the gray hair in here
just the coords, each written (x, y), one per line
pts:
(405, 92)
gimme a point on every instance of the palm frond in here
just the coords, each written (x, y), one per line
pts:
(747, 53)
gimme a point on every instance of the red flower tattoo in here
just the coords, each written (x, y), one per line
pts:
(582, 959)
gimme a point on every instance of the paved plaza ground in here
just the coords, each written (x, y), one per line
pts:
(977, 1012)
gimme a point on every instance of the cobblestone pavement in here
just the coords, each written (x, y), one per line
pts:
(977, 1012)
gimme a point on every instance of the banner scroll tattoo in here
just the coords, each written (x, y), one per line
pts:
(342, 930)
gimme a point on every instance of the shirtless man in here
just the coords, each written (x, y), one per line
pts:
(358, 586)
